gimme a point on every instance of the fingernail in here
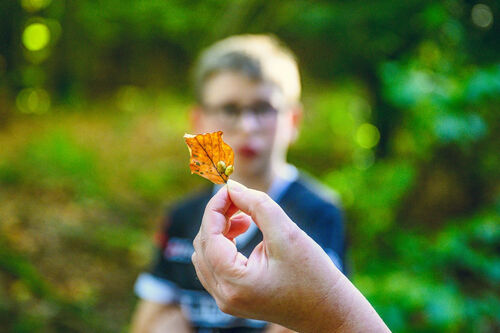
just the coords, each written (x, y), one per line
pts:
(235, 186)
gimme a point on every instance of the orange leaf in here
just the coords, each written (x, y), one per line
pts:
(211, 157)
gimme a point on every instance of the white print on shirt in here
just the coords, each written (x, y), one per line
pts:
(179, 250)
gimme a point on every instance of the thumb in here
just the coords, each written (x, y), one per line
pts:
(267, 214)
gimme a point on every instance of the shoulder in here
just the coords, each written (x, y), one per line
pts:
(312, 205)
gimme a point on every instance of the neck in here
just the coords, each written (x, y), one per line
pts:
(261, 182)
(256, 182)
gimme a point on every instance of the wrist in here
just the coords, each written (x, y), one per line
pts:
(345, 309)
(331, 312)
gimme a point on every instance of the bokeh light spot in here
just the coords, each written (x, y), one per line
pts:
(36, 36)
(482, 16)
(34, 5)
(367, 136)
(33, 100)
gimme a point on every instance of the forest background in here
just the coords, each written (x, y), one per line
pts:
(402, 119)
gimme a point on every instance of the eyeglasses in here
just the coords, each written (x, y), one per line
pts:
(229, 114)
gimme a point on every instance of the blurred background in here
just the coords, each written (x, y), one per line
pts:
(402, 119)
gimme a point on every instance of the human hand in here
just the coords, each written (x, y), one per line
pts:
(275, 328)
(286, 275)
(288, 279)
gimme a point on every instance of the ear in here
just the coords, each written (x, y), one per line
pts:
(296, 119)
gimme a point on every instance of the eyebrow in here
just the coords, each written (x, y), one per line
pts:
(236, 103)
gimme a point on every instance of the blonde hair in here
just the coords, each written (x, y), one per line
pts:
(260, 57)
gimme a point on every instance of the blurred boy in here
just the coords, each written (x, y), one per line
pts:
(249, 87)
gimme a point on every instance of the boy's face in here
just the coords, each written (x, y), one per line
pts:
(255, 118)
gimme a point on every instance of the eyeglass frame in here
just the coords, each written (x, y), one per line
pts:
(267, 112)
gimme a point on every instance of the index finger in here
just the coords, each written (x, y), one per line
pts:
(217, 209)
(210, 244)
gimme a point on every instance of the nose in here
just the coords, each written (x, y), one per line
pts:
(248, 122)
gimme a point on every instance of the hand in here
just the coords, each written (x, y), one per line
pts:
(288, 279)
(275, 328)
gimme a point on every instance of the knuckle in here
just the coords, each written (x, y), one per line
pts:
(207, 210)
(224, 307)
(202, 241)
(262, 201)
(294, 234)
(196, 241)
(233, 298)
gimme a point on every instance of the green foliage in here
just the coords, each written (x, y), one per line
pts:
(91, 149)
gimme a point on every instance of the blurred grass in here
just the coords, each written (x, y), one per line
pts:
(81, 198)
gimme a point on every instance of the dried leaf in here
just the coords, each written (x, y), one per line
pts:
(211, 157)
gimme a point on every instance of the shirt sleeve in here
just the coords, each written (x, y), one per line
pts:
(155, 289)
(154, 285)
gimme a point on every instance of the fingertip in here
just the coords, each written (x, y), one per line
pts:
(239, 224)
(214, 219)
(237, 192)
(235, 187)
(220, 202)
(227, 227)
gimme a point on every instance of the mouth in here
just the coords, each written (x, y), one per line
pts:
(247, 152)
